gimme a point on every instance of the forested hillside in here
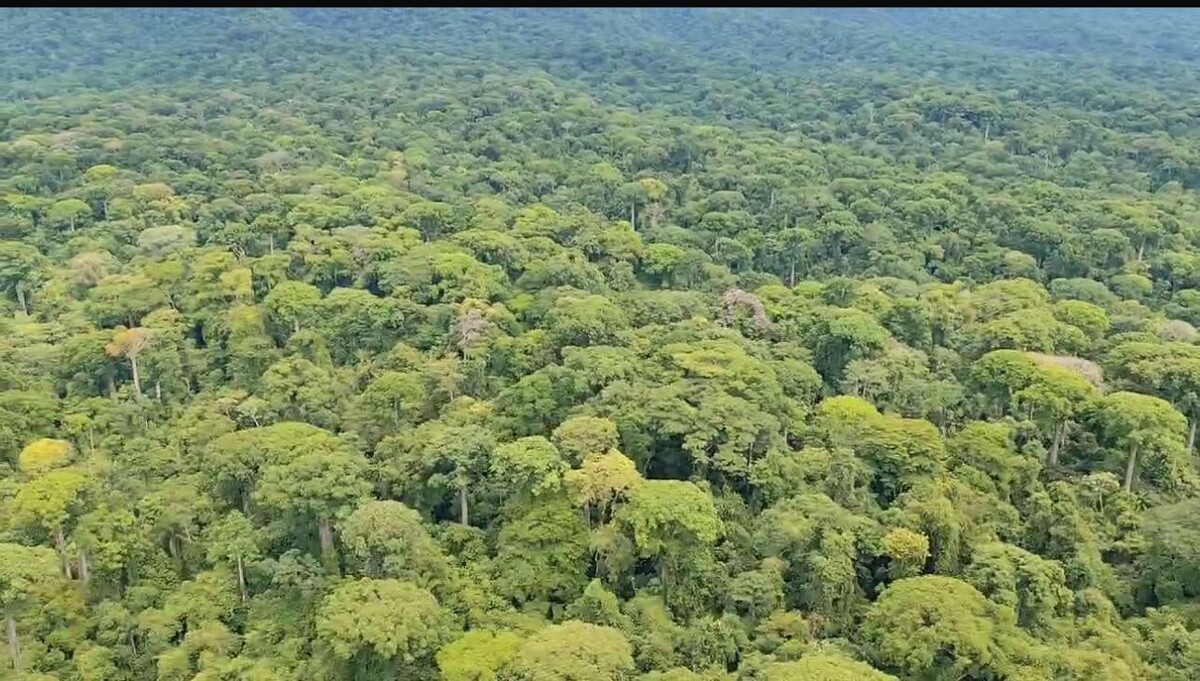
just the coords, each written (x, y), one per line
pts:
(595, 345)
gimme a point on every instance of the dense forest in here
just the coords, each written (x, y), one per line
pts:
(593, 345)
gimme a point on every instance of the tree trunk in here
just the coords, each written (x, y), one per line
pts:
(792, 275)
(664, 575)
(464, 515)
(14, 643)
(22, 301)
(295, 326)
(329, 558)
(1192, 436)
(1056, 441)
(1130, 468)
(241, 577)
(325, 535)
(137, 381)
(158, 390)
(85, 572)
(60, 543)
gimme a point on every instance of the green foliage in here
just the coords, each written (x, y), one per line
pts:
(386, 539)
(930, 627)
(690, 344)
(43, 454)
(1033, 587)
(478, 655)
(1151, 435)
(907, 551)
(575, 650)
(830, 667)
(670, 514)
(1171, 570)
(388, 618)
(543, 553)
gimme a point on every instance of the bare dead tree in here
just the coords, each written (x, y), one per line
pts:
(736, 297)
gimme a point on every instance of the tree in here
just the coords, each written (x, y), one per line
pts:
(819, 543)
(42, 455)
(20, 270)
(668, 519)
(1147, 429)
(124, 299)
(932, 627)
(580, 436)
(1054, 397)
(900, 451)
(592, 320)
(758, 593)
(387, 618)
(528, 467)
(234, 462)
(45, 504)
(440, 457)
(597, 605)
(575, 650)
(158, 242)
(386, 539)
(478, 655)
(1031, 586)
(989, 449)
(314, 489)
(390, 401)
(130, 343)
(907, 550)
(1173, 372)
(299, 390)
(839, 335)
(826, 666)
(105, 539)
(542, 555)
(22, 570)
(602, 482)
(1170, 568)
(232, 539)
(293, 304)
(68, 213)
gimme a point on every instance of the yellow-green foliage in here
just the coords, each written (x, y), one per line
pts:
(44, 454)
